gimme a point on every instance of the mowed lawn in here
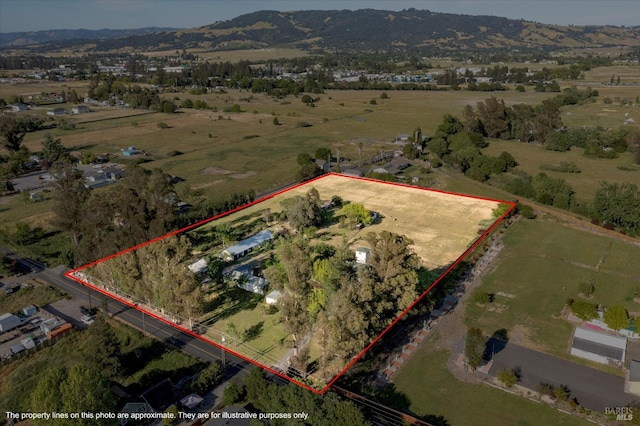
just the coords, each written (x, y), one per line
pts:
(541, 266)
(432, 390)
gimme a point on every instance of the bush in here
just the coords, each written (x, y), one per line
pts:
(303, 124)
(482, 297)
(584, 310)
(586, 288)
(233, 108)
(508, 377)
(384, 95)
(162, 125)
(174, 153)
(520, 88)
(373, 102)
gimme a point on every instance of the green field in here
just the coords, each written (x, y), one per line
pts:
(426, 387)
(593, 170)
(542, 265)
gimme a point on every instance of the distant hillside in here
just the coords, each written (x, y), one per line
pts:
(374, 30)
(21, 39)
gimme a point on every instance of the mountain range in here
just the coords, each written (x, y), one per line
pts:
(367, 29)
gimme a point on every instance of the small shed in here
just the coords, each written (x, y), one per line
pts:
(191, 401)
(598, 347)
(9, 322)
(27, 311)
(198, 267)
(362, 255)
(57, 111)
(80, 109)
(273, 297)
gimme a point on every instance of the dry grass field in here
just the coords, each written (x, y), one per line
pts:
(442, 226)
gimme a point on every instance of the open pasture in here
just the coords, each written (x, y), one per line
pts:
(542, 265)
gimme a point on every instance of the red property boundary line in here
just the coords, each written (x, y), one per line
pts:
(69, 274)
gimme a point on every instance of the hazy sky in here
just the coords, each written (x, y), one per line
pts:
(34, 15)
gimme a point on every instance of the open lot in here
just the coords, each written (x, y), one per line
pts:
(541, 267)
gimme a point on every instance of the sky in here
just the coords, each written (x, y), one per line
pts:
(36, 15)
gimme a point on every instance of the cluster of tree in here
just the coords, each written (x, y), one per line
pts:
(214, 206)
(121, 216)
(84, 387)
(596, 142)
(618, 205)
(308, 168)
(615, 317)
(325, 410)
(303, 212)
(459, 145)
(493, 119)
(156, 275)
(345, 306)
(544, 189)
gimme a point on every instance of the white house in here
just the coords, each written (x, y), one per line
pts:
(273, 297)
(362, 255)
(198, 267)
(246, 246)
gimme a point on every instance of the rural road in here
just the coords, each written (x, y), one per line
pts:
(592, 388)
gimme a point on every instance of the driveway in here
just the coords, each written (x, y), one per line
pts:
(592, 388)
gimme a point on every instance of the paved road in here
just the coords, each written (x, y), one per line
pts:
(592, 388)
(148, 324)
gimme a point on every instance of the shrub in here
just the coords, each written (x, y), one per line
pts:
(584, 310)
(508, 377)
(586, 288)
(162, 125)
(520, 88)
(482, 297)
(174, 153)
(303, 124)
(373, 102)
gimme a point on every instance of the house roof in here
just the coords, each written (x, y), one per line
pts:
(599, 343)
(198, 266)
(191, 401)
(249, 243)
(161, 395)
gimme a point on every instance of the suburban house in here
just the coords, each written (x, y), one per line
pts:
(249, 282)
(246, 246)
(80, 109)
(356, 172)
(56, 111)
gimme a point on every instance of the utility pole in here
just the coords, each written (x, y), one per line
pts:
(222, 340)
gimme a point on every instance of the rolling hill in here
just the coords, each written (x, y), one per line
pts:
(368, 30)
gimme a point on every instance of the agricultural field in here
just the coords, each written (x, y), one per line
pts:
(442, 227)
(541, 267)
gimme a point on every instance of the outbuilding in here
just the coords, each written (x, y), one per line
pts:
(246, 246)
(598, 347)
(9, 322)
